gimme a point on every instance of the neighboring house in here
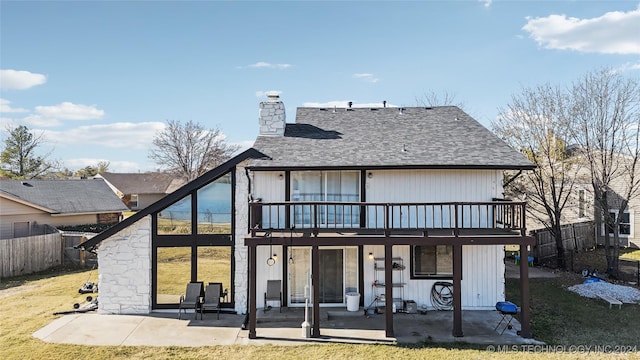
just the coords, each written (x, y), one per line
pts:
(581, 207)
(139, 190)
(26, 203)
(384, 202)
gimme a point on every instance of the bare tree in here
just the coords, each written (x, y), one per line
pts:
(606, 123)
(19, 156)
(536, 122)
(432, 98)
(189, 150)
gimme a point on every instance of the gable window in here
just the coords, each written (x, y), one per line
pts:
(625, 228)
(431, 261)
(133, 203)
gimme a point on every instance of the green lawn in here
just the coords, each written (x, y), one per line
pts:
(559, 317)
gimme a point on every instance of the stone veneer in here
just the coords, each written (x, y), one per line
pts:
(272, 116)
(241, 253)
(125, 270)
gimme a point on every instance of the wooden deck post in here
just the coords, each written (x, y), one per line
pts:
(252, 291)
(388, 289)
(525, 329)
(457, 291)
(315, 288)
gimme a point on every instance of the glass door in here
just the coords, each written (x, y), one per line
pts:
(338, 275)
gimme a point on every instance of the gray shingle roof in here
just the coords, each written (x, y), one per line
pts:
(439, 137)
(65, 196)
(143, 183)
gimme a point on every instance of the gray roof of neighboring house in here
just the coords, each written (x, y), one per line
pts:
(65, 196)
(417, 137)
(143, 183)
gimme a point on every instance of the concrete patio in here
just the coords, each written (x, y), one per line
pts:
(276, 328)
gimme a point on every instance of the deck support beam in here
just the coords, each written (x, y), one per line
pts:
(252, 291)
(525, 329)
(457, 291)
(388, 289)
(315, 288)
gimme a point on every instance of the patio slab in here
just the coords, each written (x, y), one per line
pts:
(273, 327)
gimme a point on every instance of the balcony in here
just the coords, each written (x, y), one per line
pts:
(493, 218)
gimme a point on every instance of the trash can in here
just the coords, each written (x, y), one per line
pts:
(353, 301)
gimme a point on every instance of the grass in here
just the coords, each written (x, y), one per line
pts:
(27, 304)
(631, 255)
(174, 269)
(562, 317)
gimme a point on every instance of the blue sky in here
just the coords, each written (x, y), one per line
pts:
(99, 78)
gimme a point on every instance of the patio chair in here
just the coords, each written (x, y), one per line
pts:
(212, 295)
(273, 293)
(191, 299)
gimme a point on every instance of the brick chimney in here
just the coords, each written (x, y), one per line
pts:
(272, 116)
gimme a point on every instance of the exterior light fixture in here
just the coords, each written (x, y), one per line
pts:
(272, 257)
(370, 175)
(370, 256)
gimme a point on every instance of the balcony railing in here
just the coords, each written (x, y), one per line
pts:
(387, 217)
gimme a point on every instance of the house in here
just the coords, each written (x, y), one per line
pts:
(139, 190)
(382, 202)
(581, 206)
(27, 203)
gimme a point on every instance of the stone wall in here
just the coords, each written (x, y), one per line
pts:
(272, 117)
(125, 270)
(241, 253)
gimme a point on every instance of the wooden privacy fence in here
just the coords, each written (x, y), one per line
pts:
(575, 237)
(26, 255)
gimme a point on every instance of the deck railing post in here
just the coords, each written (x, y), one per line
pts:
(386, 219)
(456, 229)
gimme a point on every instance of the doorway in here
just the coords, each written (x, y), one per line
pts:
(338, 275)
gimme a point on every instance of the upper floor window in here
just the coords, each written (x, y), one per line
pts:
(133, 202)
(325, 186)
(581, 203)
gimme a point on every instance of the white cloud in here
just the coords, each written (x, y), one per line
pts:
(486, 3)
(366, 77)
(48, 116)
(344, 104)
(266, 65)
(19, 79)
(243, 145)
(116, 135)
(5, 107)
(627, 67)
(70, 111)
(615, 32)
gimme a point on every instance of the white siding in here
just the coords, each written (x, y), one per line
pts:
(482, 277)
(433, 185)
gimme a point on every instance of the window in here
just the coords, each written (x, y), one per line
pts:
(581, 203)
(326, 186)
(20, 229)
(432, 261)
(133, 203)
(625, 228)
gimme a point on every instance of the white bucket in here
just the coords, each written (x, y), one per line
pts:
(353, 301)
